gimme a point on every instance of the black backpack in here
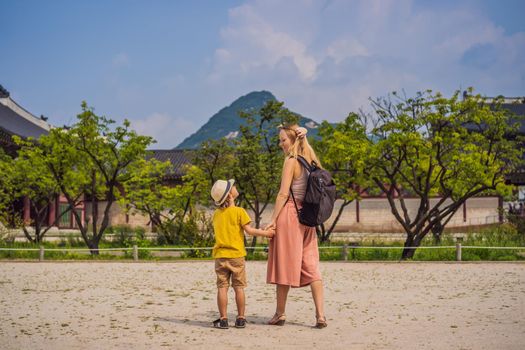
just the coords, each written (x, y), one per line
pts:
(319, 199)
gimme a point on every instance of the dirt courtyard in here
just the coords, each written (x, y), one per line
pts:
(80, 305)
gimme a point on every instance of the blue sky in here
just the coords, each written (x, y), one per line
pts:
(168, 66)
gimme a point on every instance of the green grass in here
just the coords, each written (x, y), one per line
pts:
(496, 236)
(501, 236)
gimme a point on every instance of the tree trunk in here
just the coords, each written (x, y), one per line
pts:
(177, 238)
(93, 246)
(164, 228)
(38, 224)
(408, 253)
(28, 236)
(323, 235)
(257, 225)
(437, 232)
(254, 242)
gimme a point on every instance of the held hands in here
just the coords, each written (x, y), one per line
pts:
(270, 229)
(270, 232)
(271, 225)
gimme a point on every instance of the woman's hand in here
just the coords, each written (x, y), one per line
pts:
(301, 132)
(270, 232)
(270, 226)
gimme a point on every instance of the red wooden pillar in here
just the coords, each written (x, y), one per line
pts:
(27, 211)
(52, 212)
(357, 210)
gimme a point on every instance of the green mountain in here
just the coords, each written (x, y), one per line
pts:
(227, 122)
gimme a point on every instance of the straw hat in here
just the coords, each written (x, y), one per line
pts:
(220, 190)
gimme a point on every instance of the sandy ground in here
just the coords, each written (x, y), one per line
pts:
(171, 305)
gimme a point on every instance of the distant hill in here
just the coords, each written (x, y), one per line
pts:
(227, 122)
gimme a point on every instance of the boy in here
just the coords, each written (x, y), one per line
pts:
(229, 224)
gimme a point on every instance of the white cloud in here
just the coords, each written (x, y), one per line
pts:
(325, 59)
(344, 48)
(254, 42)
(167, 130)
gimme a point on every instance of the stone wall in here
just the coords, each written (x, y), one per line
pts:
(374, 215)
(118, 216)
(376, 222)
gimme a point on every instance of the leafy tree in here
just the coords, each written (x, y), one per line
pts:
(258, 162)
(217, 160)
(110, 153)
(431, 146)
(254, 159)
(169, 208)
(34, 181)
(90, 163)
(259, 158)
(342, 150)
(9, 215)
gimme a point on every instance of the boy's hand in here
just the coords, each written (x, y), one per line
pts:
(270, 232)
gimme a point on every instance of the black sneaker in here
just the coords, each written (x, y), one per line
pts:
(240, 322)
(221, 323)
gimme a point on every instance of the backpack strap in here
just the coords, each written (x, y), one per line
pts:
(294, 202)
(307, 166)
(305, 163)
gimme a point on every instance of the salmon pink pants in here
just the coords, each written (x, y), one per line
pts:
(293, 255)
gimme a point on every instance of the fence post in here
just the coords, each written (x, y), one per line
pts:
(344, 253)
(458, 251)
(41, 255)
(135, 253)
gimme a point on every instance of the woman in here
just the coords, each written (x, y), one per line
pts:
(293, 256)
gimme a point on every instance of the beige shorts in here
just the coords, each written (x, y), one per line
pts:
(230, 268)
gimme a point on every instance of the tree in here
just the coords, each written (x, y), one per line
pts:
(168, 207)
(431, 146)
(254, 159)
(217, 160)
(34, 181)
(342, 150)
(110, 153)
(90, 163)
(259, 158)
(9, 215)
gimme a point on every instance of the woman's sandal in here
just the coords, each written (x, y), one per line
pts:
(321, 323)
(277, 320)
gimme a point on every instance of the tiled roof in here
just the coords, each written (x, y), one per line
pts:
(178, 158)
(516, 178)
(16, 120)
(518, 109)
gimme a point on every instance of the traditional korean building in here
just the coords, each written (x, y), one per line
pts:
(179, 159)
(16, 120)
(517, 178)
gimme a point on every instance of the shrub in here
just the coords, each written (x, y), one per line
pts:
(126, 235)
(198, 232)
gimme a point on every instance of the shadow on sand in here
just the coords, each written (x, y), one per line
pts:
(206, 320)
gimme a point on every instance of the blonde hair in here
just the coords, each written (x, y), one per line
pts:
(300, 146)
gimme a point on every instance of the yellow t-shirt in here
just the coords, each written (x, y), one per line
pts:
(229, 233)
